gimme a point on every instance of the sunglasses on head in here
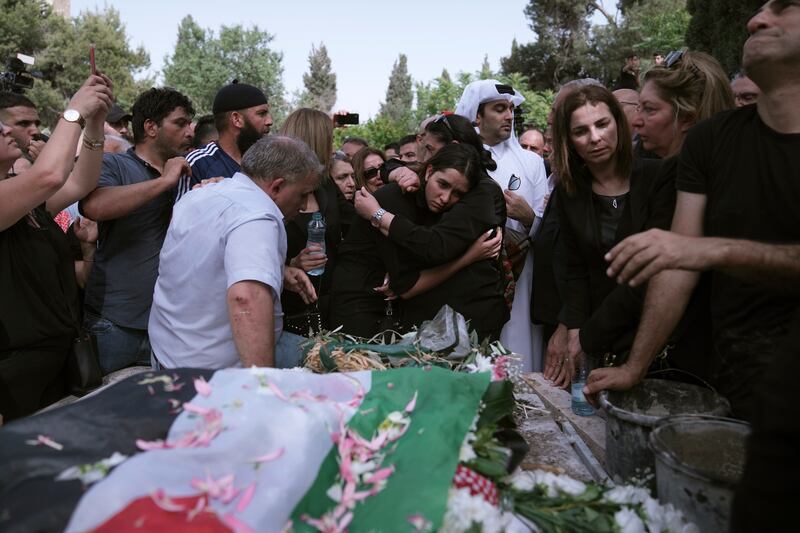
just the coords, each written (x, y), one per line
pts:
(443, 120)
(672, 58)
(370, 173)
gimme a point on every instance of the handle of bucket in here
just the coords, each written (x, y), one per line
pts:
(656, 373)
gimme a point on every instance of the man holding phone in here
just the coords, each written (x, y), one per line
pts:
(242, 117)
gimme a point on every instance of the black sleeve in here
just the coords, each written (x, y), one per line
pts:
(403, 271)
(389, 166)
(577, 295)
(695, 158)
(662, 196)
(447, 240)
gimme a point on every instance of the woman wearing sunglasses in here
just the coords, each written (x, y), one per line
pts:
(604, 195)
(366, 167)
(368, 255)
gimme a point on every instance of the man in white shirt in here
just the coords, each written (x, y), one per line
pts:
(217, 299)
(521, 173)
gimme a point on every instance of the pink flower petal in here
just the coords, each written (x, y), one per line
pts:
(237, 525)
(276, 391)
(202, 387)
(199, 507)
(411, 404)
(247, 495)
(269, 456)
(380, 475)
(150, 445)
(192, 408)
(344, 522)
(165, 503)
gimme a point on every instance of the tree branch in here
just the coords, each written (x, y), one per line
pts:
(599, 6)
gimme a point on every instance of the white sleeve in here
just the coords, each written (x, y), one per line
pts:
(252, 254)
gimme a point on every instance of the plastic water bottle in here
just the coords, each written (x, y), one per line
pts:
(579, 404)
(316, 236)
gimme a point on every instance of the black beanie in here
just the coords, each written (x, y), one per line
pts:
(237, 96)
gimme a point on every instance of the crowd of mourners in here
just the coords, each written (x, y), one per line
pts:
(649, 228)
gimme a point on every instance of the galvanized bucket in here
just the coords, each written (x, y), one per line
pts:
(699, 461)
(632, 415)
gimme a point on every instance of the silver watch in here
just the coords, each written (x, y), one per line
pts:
(74, 116)
(377, 216)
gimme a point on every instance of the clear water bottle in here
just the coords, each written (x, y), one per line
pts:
(579, 404)
(316, 236)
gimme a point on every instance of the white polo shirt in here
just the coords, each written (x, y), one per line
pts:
(219, 235)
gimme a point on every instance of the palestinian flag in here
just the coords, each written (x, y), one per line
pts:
(243, 450)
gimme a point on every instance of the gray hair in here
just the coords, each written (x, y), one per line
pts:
(576, 84)
(116, 144)
(280, 156)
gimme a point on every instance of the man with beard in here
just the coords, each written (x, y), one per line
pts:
(241, 115)
(133, 205)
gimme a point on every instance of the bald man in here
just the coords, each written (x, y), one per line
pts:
(629, 100)
(533, 140)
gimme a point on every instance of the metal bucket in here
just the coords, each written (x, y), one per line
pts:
(632, 415)
(699, 461)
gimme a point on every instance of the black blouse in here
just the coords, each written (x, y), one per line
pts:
(39, 308)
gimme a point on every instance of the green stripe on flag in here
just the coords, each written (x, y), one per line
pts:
(425, 458)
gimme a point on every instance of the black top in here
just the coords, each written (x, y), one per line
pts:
(548, 278)
(609, 211)
(475, 291)
(750, 175)
(37, 282)
(365, 256)
(296, 238)
(607, 313)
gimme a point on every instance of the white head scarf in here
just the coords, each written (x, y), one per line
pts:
(479, 92)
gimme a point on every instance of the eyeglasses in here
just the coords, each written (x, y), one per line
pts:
(514, 183)
(443, 119)
(672, 58)
(745, 98)
(370, 173)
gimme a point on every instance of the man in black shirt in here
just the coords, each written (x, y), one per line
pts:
(737, 214)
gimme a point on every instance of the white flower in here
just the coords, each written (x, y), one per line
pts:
(627, 494)
(464, 510)
(481, 364)
(628, 521)
(335, 492)
(92, 473)
(666, 519)
(552, 484)
(466, 454)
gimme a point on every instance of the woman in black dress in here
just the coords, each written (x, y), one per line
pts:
(39, 311)
(367, 256)
(604, 195)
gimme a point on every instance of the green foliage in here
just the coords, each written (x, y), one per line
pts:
(319, 81)
(440, 94)
(719, 28)
(61, 49)
(485, 73)
(378, 131)
(24, 27)
(203, 62)
(399, 93)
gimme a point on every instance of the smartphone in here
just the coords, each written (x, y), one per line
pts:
(342, 120)
(91, 60)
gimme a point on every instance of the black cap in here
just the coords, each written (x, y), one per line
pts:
(237, 96)
(117, 114)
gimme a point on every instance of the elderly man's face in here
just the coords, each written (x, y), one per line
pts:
(532, 140)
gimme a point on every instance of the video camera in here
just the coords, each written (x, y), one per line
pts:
(16, 77)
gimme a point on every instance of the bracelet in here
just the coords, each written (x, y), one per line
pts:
(91, 144)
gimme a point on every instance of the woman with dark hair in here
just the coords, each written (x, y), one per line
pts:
(604, 195)
(368, 256)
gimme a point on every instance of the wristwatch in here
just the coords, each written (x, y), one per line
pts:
(74, 116)
(377, 216)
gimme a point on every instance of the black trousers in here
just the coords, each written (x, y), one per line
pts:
(31, 380)
(767, 495)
